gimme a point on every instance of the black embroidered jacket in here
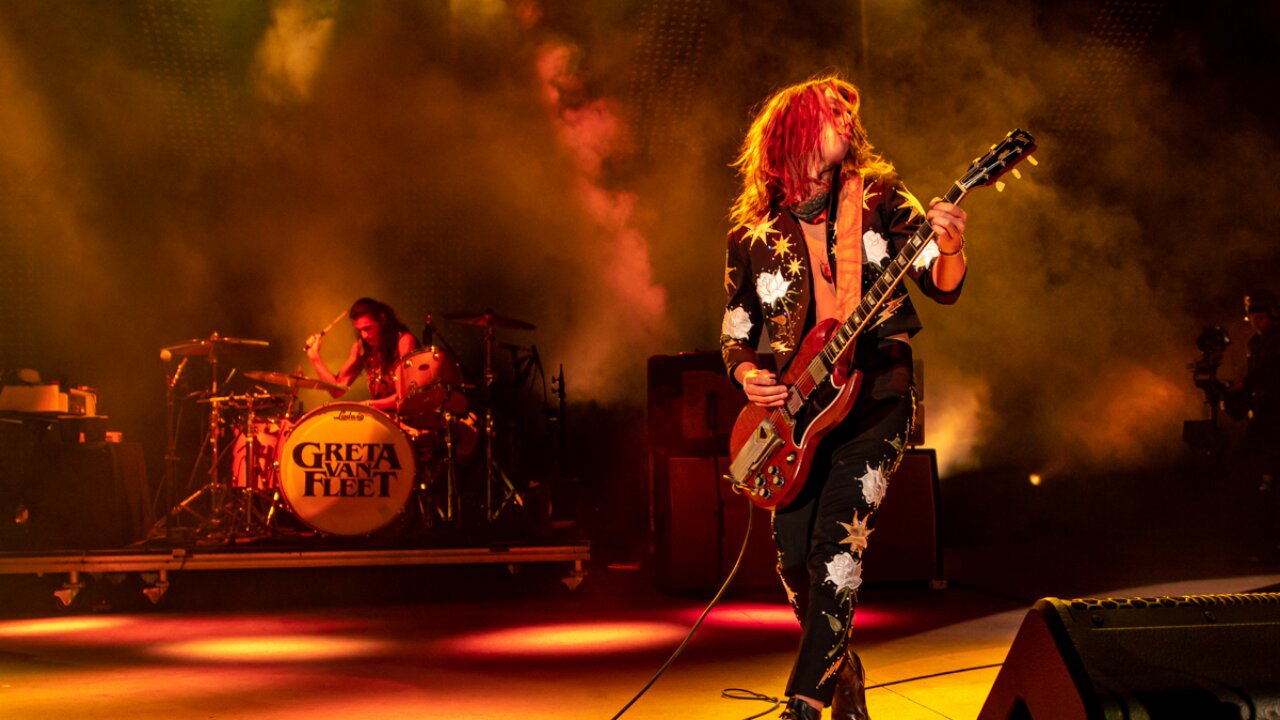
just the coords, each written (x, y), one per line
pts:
(768, 278)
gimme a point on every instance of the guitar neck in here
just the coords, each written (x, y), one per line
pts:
(875, 297)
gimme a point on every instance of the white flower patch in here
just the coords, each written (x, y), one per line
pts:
(927, 256)
(874, 485)
(771, 287)
(875, 249)
(736, 324)
(844, 572)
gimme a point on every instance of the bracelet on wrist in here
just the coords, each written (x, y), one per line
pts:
(953, 254)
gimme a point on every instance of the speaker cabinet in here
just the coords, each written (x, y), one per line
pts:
(699, 523)
(1206, 657)
(60, 495)
(697, 520)
(692, 405)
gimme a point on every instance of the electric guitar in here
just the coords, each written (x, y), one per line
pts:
(772, 448)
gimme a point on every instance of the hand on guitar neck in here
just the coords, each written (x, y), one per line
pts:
(761, 386)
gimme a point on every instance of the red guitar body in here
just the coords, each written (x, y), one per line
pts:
(772, 448)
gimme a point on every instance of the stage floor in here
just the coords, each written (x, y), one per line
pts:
(480, 644)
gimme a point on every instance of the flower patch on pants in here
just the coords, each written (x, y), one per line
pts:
(845, 572)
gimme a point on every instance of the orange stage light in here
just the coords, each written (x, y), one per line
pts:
(60, 626)
(270, 648)
(570, 639)
(767, 616)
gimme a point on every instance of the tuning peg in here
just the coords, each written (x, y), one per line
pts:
(1032, 159)
(1016, 174)
(999, 186)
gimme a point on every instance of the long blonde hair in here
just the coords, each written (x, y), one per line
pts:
(787, 131)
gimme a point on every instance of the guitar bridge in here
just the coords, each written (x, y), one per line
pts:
(753, 454)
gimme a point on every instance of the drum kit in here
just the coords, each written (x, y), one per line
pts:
(267, 469)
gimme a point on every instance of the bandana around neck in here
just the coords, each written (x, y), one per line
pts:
(810, 209)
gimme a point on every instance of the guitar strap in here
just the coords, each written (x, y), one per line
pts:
(849, 247)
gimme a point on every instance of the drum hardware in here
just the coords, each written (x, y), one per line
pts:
(562, 444)
(215, 488)
(494, 476)
(489, 320)
(294, 381)
(450, 434)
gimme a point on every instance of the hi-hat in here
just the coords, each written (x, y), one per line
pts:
(489, 319)
(294, 380)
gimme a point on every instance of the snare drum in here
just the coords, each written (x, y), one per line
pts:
(429, 381)
(346, 469)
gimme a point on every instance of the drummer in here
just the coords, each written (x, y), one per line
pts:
(382, 339)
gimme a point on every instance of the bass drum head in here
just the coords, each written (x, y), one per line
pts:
(346, 469)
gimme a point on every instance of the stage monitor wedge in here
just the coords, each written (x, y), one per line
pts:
(1207, 657)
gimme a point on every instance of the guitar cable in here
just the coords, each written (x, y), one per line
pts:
(744, 694)
(742, 551)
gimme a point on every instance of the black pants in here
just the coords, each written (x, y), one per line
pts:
(820, 536)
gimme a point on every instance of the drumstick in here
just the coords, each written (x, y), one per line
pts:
(326, 329)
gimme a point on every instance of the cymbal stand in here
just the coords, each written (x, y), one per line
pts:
(170, 481)
(268, 523)
(250, 467)
(451, 514)
(213, 487)
(493, 473)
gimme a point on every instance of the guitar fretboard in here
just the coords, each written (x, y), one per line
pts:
(876, 295)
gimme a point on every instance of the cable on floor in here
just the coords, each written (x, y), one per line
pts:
(719, 593)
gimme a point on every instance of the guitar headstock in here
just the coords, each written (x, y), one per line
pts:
(987, 170)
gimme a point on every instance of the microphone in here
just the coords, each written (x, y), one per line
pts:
(428, 332)
(165, 355)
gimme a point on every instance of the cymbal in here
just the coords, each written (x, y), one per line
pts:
(295, 380)
(246, 400)
(211, 344)
(488, 319)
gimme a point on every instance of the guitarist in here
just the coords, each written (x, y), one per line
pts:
(819, 215)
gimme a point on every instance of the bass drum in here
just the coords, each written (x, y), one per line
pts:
(346, 469)
(429, 381)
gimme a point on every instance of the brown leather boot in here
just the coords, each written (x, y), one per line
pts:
(850, 702)
(798, 709)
